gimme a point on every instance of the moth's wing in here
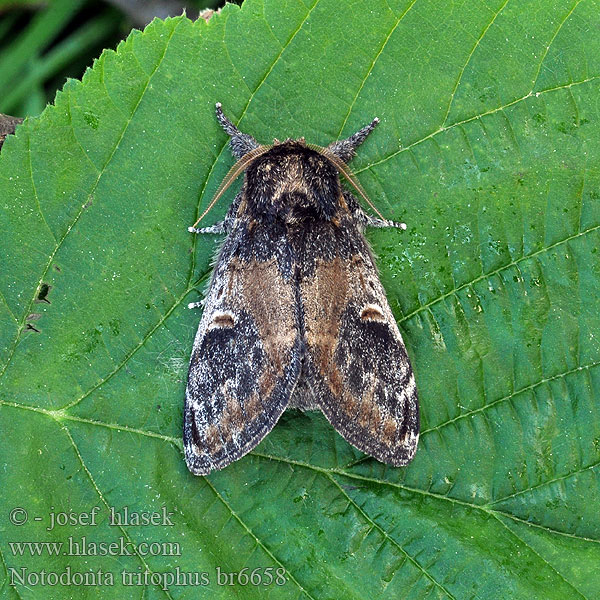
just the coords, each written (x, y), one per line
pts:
(356, 363)
(246, 356)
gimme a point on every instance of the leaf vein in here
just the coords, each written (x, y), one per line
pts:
(372, 66)
(489, 274)
(14, 587)
(388, 537)
(474, 118)
(10, 312)
(549, 482)
(104, 501)
(81, 210)
(256, 539)
(461, 72)
(561, 577)
(480, 507)
(35, 193)
(545, 527)
(511, 395)
(57, 415)
(537, 75)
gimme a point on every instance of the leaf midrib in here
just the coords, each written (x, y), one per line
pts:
(329, 474)
(60, 416)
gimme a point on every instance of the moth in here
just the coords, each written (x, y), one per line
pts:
(295, 315)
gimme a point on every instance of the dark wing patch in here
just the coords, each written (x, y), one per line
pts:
(245, 362)
(356, 361)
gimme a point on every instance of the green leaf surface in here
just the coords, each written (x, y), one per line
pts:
(488, 148)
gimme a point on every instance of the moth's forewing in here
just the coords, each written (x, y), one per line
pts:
(356, 360)
(246, 356)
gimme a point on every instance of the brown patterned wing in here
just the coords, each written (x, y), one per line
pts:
(356, 363)
(245, 361)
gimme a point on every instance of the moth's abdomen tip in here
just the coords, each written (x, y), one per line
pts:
(376, 120)
(218, 105)
(402, 226)
(192, 229)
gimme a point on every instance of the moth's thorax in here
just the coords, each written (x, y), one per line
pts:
(293, 183)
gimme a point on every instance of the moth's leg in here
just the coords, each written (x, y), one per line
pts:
(345, 149)
(362, 219)
(375, 222)
(240, 143)
(217, 228)
(223, 226)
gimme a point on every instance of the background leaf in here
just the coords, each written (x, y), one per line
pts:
(488, 148)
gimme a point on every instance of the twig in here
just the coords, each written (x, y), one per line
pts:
(7, 126)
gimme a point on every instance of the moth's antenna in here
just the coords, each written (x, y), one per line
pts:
(232, 175)
(345, 171)
(346, 149)
(240, 143)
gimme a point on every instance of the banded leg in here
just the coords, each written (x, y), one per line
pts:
(217, 228)
(376, 222)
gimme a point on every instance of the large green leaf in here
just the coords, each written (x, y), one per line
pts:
(488, 148)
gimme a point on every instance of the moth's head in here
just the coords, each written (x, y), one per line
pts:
(294, 180)
(290, 178)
